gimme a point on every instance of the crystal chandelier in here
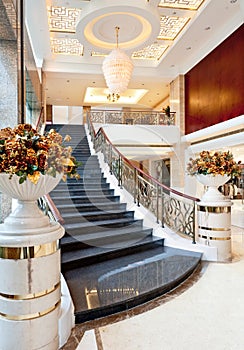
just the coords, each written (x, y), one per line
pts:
(117, 69)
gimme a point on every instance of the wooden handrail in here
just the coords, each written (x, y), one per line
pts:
(54, 209)
(178, 193)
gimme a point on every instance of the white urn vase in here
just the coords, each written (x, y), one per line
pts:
(26, 213)
(212, 182)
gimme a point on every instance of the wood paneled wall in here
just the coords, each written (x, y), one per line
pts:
(214, 88)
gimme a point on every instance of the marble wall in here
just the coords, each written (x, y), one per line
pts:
(8, 71)
(9, 82)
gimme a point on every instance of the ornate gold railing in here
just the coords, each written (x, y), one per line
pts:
(170, 207)
(130, 117)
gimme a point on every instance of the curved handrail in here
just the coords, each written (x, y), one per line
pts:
(178, 211)
(145, 174)
(54, 210)
(101, 130)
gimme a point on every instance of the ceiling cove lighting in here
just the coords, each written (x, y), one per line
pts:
(117, 69)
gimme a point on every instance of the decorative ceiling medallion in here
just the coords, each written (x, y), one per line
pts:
(62, 19)
(182, 4)
(171, 26)
(97, 21)
(152, 52)
(66, 46)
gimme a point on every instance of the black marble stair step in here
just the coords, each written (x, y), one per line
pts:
(90, 207)
(81, 193)
(122, 283)
(100, 181)
(105, 238)
(86, 159)
(89, 173)
(101, 225)
(71, 218)
(85, 199)
(84, 257)
(80, 187)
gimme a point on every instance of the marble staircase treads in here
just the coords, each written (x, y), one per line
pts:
(109, 259)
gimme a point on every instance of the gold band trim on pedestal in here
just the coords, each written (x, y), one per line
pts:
(30, 296)
(20, 253)
(30, 316)
(215, 238)
(213, 228)
(217, 210)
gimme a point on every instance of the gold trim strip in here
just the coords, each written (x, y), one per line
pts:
(238, 131)
(218, 210)
(30, 316)
(215, 238)
(20, 253)
(213, 228)
(30, 296)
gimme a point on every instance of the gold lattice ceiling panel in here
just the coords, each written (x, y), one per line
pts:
(171, 26)
(62, 19)
(66, 46)
(152, 52)
(181, 4)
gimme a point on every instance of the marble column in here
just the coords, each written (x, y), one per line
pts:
(30, 287)
(214, 227)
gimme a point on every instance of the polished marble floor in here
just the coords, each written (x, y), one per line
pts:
(206, 311)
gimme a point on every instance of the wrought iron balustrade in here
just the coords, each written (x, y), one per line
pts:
(170, 207)
(130, 117)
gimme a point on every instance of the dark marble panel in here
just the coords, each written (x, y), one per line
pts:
(79, 330)
(119, 284)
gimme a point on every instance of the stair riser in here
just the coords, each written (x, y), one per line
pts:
(102, 216)
(84, 193)
(91, 208)
(123, 240)
(82, 187)
(108, 255)
(90, 185)
(59, 201)
(104, 227)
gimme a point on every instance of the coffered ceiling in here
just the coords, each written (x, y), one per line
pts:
(164, 38)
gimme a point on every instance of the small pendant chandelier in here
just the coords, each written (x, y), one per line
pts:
(117, 69)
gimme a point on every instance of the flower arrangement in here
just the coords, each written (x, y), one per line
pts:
(215, 163)
(28, 154)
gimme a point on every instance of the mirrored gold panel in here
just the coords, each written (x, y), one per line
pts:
(62, 19)
(152, 52)
(66, 46)
(182, 4)
(171, 26)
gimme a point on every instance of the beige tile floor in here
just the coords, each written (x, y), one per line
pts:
(206, 312)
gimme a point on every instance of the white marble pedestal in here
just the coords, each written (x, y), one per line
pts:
(214, 227)
(30, 289)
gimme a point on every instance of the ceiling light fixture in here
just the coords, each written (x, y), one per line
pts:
(117, 69)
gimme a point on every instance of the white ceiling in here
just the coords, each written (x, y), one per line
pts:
(69, 76)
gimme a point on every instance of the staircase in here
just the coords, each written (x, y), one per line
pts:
(109, 259)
